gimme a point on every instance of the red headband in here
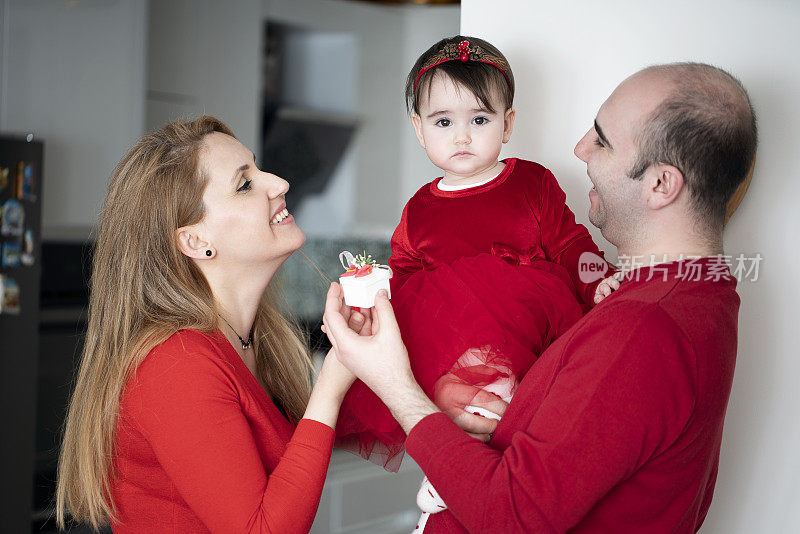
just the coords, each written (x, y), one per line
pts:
(462, 52)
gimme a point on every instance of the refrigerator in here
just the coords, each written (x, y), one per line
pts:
(20, 276)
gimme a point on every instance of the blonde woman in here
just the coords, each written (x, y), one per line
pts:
(174, 425)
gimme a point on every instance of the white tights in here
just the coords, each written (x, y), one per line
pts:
(428, 498)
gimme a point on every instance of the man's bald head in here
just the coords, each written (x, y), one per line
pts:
(705, 127)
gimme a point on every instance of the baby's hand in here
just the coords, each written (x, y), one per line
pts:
(453, 396)
(607, 286)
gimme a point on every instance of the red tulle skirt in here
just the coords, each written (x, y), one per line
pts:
(470, 327)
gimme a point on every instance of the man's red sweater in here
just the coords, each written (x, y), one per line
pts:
(200, 447)
(616, 428)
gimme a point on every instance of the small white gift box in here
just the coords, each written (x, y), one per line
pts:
(360, 290)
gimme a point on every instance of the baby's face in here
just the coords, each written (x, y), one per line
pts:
(460, 136)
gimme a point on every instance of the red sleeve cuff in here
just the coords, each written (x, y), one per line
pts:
(315, 434)
(433, 434)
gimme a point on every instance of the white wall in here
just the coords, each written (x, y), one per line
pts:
(73, 74)
(567, 58)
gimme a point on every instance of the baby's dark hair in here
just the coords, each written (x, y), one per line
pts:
(486, 73)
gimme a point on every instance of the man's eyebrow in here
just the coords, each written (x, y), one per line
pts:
(600, 134)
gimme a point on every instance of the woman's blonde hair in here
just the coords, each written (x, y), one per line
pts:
(143, 290)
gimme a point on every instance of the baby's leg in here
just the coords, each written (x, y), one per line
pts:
(428, 498)
(477, 410)
(429, 502)
(481, 365)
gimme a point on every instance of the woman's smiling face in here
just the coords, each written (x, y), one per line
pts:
(245, 219)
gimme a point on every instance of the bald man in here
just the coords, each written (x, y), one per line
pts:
(617, 427)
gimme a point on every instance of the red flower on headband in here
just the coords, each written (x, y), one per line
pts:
(463, 51)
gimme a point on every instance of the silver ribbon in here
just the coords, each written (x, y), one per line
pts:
(348, 260)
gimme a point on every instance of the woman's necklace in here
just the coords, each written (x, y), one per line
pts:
(245, 344)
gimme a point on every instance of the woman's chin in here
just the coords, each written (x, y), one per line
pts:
(293, 243)
(300, 240)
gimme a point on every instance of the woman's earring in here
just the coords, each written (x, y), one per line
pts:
(208, 252)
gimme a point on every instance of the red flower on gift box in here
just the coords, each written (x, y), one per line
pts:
(358, 272)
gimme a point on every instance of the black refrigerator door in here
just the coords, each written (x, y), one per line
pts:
(20, 273)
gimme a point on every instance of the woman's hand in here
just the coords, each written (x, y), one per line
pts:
(359, 320)
(379, 359)
(333, 372)
(334, 379)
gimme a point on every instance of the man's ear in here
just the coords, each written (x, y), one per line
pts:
(192, 245)
(665, 183)
(416, 120)
(508, 124)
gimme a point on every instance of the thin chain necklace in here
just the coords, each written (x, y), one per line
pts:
(245, 344)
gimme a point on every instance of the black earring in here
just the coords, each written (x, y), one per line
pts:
(208, 253)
